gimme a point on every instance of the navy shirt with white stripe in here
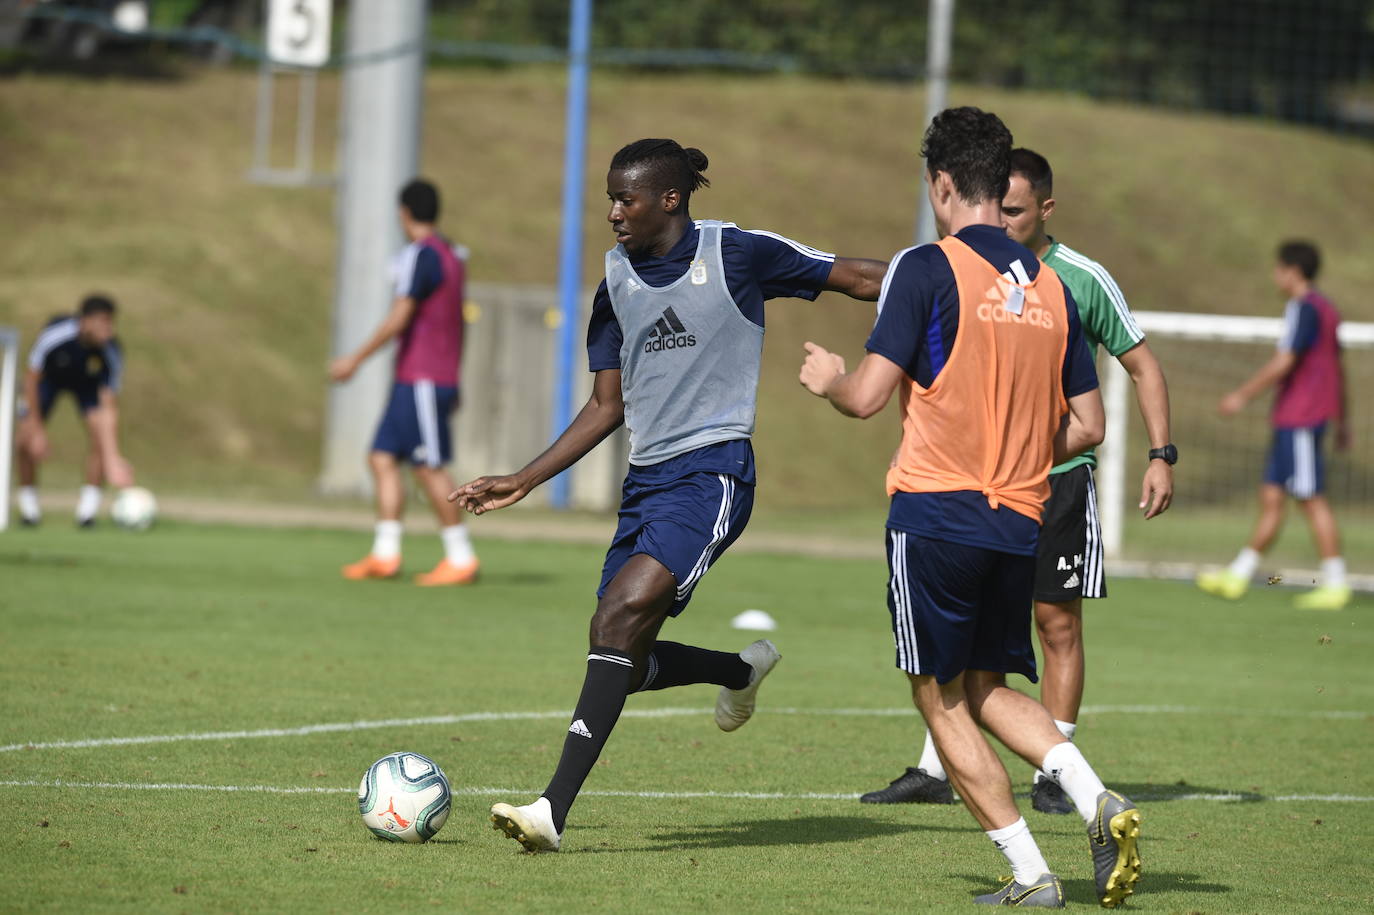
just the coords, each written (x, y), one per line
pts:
(759, 265)
(66, 364)
(1300, 326)
(418, 272)
(918, 320)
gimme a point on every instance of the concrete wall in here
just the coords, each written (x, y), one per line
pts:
(508, 367)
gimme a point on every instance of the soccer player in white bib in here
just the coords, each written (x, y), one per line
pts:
(1069, 557)
(675, 340)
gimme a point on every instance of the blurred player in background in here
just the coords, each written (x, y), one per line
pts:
(426, 318)
(997, 385)
(1311, 393)
(1069, 557)
(80, 355)
(675, 339)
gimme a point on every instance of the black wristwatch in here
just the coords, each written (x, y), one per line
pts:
(1168, 454)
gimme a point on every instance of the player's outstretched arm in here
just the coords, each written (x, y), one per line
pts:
(402, 310)
(599, 417)
(1152, 395)
(33, 438)
(103, 424)
(860, 394)
(857, 277)
(1084, 427)
(1269, 374)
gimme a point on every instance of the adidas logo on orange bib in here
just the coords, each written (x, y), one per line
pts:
(669, 333)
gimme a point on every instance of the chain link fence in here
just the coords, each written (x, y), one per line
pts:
(1306, 61)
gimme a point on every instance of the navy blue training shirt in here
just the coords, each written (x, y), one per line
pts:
(759, 265)
(918, 319)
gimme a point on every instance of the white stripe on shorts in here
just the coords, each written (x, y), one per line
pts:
(718, 534)
(1093, 560)
(904, 623)
(1303, 483)
(427, 412)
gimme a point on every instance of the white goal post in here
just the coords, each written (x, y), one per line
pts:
(9, 368)
(1195, 352)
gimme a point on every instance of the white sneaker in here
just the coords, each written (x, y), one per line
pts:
(531, 825)
(736, 706)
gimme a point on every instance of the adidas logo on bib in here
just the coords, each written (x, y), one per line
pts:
(669, 333)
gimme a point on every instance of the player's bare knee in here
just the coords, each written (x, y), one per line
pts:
(623, 617)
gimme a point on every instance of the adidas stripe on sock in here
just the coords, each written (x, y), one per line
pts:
(609, 675)
(674, 664)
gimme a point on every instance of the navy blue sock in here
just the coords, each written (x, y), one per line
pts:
(610, 674)
(673, 664)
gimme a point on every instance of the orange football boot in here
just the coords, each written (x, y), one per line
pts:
(372, 567)
(448, 573)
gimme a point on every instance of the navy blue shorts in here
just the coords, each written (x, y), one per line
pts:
(685, 524)
(415, 424)
(87, 398)
(1295, 461)
(956, 608)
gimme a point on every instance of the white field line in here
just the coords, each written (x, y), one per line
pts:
(651, 795)
(342, 726)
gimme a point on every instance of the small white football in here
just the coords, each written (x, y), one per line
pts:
(134, 509)
(404, 797)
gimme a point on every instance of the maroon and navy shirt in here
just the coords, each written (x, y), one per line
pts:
(431, 346)
(1310, 394)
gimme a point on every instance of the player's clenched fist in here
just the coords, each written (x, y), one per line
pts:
(820, 369)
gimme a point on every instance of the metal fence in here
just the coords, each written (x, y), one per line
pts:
(1309, 61)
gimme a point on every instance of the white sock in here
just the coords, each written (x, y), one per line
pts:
(1066, 765)
(28, 503)
(1017, 844)
(1333, 572)
(457, 546)
(930, 761)
(1245, 563)
(1067, 728)
(88, 503)
(386, 543)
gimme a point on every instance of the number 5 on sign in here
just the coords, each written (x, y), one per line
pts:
(298, 32)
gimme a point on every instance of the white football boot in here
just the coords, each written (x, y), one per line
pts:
(530, 825)
(736, 706)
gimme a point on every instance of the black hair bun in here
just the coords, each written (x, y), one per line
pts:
(697, 158)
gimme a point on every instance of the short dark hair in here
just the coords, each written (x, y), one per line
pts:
(421, 198)
(97, 304)
(1035, 168)
(669, 165)
(1303, 255)
(974, 147)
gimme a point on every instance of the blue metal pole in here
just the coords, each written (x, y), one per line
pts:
(570, 253)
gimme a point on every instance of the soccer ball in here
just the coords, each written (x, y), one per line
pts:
(134, 509)
(404, 797)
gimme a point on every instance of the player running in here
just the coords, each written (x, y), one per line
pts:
(80, 355)
(985, 343)
(675, 339)
(427, 319)
(1069, 559)
(1311, 392)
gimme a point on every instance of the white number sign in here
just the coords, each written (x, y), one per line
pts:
(298, 32)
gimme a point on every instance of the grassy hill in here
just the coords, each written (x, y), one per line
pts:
(137, 187)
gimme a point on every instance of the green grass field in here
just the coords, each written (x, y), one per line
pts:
(224, 634)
